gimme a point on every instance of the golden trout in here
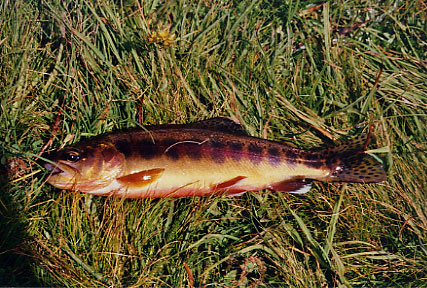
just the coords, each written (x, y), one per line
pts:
(209, 157)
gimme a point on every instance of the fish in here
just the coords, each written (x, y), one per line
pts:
(208, 157)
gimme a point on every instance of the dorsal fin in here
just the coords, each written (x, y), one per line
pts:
(221, 124)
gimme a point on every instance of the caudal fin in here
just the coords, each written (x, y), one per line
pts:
(354, 165)
(359, 168)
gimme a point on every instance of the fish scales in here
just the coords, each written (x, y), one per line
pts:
(203, 158)
(214, 157)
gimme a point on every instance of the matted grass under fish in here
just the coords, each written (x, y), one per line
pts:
(213, 156)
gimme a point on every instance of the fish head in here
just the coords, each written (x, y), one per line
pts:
(84, 167)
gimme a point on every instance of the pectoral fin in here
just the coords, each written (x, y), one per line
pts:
(141, 179)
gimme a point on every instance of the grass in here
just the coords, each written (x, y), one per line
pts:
(304, 71)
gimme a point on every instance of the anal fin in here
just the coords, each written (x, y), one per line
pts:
(294, 186)
(142, 178)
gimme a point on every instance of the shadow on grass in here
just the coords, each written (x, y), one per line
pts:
(15, 265)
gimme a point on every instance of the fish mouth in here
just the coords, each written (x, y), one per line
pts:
(54, 169)
(60, 169)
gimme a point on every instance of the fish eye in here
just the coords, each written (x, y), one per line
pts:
(73, 156)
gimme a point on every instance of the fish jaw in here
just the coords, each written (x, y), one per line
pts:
(62, 175)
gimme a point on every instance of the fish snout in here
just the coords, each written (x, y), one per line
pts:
(53, 169)
(61, 169)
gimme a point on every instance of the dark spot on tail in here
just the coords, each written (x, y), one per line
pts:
(291, 156)
(313, 160)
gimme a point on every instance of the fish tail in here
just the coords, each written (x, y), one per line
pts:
(354, 165)
(360, 168)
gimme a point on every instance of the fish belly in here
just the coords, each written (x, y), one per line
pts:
(186, 178)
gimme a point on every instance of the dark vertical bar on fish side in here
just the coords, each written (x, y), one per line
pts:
(255, 153)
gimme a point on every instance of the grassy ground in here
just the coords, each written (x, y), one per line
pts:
(300, 71)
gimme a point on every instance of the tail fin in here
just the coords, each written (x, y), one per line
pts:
(354, 165)
(359, 168)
